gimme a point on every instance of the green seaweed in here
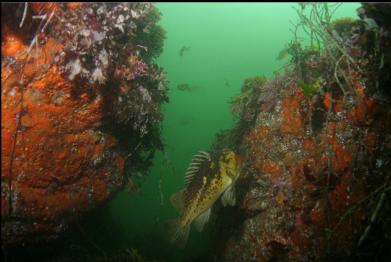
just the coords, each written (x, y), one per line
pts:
(308, 89)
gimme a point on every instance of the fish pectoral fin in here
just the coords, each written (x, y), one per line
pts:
(176, 233)
(177, 201)
(229, 197)
(201, 220)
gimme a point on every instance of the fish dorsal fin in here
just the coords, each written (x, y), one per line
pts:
(228, 197)
(195, 164)
(177, 201)
(202, 219)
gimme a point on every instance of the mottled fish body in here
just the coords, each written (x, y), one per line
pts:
(207, 178)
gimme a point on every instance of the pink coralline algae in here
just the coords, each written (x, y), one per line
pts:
(140, 68)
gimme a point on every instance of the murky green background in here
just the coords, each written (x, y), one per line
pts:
(228, 43)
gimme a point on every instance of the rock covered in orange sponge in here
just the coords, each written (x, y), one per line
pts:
(54, 162)
(67, 129)
(300, 182)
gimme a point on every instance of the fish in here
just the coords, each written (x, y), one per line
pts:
(208, 178)
(184, 87)
(183, 49)
(283, 53)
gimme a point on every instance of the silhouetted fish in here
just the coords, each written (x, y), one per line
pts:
(183, 50)
(184, 87)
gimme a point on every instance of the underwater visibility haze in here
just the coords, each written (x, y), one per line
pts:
(196, 131)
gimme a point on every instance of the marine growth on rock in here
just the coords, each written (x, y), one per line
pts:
(81, 97)
(315, 142)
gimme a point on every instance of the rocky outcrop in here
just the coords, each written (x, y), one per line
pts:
(81, 100)
(317, 158)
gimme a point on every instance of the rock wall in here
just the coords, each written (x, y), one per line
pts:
(81, 100)
(317, 158)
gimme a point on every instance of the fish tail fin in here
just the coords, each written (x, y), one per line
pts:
(177, 234)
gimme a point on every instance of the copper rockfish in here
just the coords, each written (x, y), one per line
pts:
(207, 178)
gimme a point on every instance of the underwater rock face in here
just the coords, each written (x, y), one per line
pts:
(71, 74)
(317, 171)
(293, 169)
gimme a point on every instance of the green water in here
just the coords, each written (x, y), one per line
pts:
(228, 43)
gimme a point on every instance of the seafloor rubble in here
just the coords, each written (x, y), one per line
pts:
(316, 142)
(80, 105)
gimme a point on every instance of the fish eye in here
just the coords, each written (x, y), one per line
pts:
(227, 158)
